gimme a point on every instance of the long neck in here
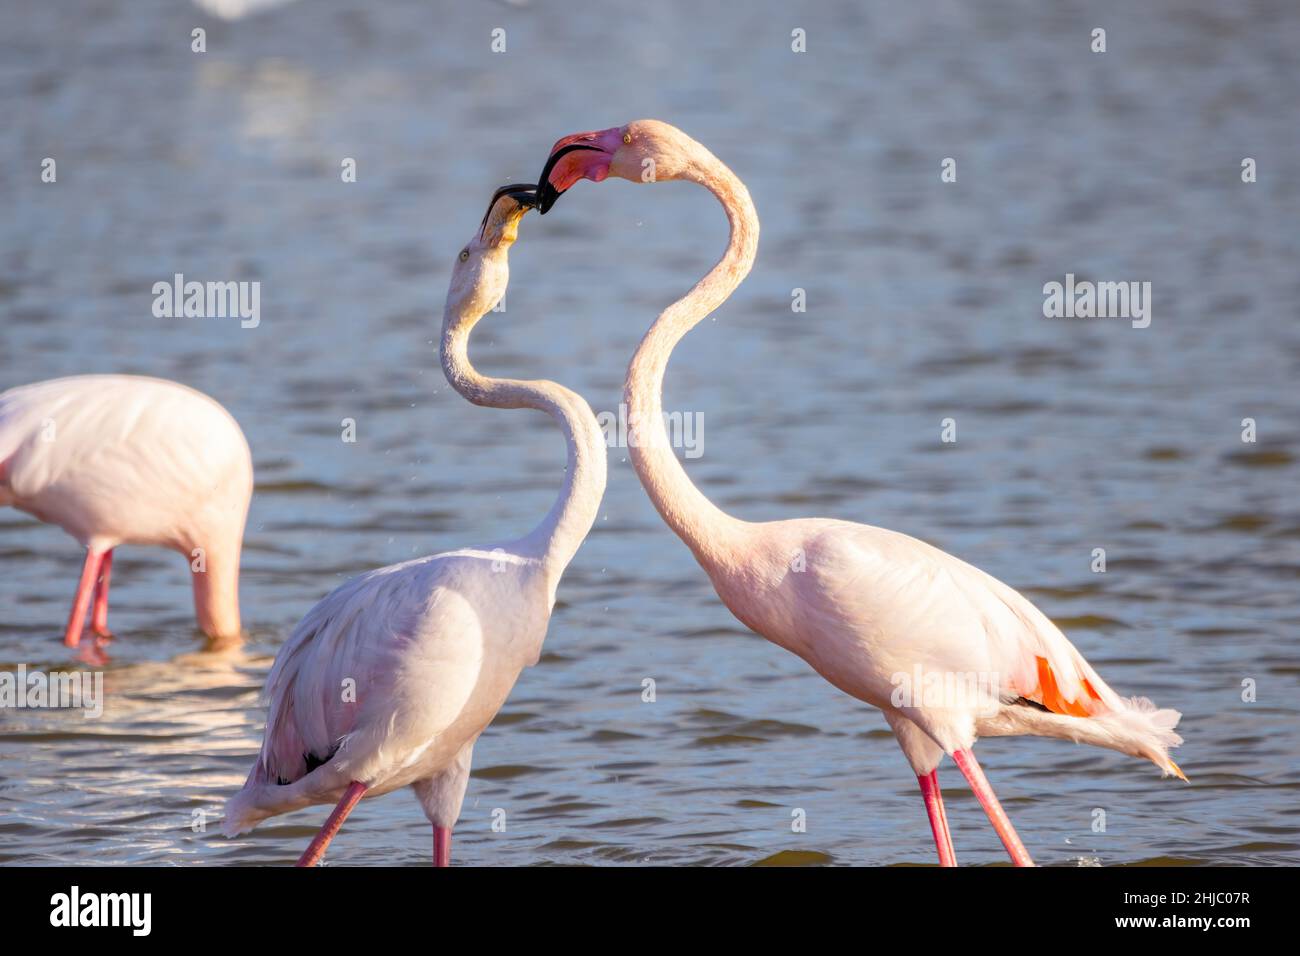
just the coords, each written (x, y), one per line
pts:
(710, 533)
(556, 540)
(216, 590)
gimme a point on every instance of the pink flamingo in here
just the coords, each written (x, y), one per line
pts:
(947, 652)
(389, 680)
(120, 459)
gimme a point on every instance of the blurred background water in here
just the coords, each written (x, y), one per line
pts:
(924, 302)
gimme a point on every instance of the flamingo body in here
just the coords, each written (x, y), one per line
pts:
(390, 679)
(432, 647)
(122, 459)
(870, 610)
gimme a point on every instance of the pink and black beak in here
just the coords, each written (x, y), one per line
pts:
(580, 156)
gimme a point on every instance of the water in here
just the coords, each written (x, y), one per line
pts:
(924, 302)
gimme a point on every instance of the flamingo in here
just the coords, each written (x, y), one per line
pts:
(123, 459)
(390, 679)
(946, 652)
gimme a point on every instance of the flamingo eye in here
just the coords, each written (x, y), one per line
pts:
(627, 138)
(464, 255)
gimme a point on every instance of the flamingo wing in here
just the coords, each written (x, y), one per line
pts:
(878, 605)
(914, 604)
(119, 454)
(374, 671)
(908, 605)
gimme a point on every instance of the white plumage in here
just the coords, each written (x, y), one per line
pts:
(390, 679)
(875, 612)
(122, 459)
(873, 608)
(431, 647)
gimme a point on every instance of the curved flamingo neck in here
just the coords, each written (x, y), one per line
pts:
(216, 590)
(710, 533)
(557, 538)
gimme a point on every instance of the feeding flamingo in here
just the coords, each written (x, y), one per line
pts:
(122, 459)
(869, 609)
(433, 646)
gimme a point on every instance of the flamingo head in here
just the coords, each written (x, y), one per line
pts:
(644, 151)
(482, 271)
(500, 226)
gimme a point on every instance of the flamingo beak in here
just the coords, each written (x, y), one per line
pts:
(580, 156)
(525, 198)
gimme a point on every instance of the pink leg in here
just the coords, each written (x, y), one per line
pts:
(441, 846)
(81, 603)
(99, 615)
(316, 849)
(997, 816)
(938, 818)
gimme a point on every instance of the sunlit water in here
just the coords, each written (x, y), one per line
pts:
(924, 303)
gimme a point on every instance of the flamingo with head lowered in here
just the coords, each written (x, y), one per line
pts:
(871, 610)
(122, 459)
(390, 679)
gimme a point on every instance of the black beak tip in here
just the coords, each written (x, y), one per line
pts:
(523, 193)
(546, 193)
(546, 196)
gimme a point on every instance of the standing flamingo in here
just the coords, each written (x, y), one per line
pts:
(390, 679)
(875, 612)
(120, 459)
